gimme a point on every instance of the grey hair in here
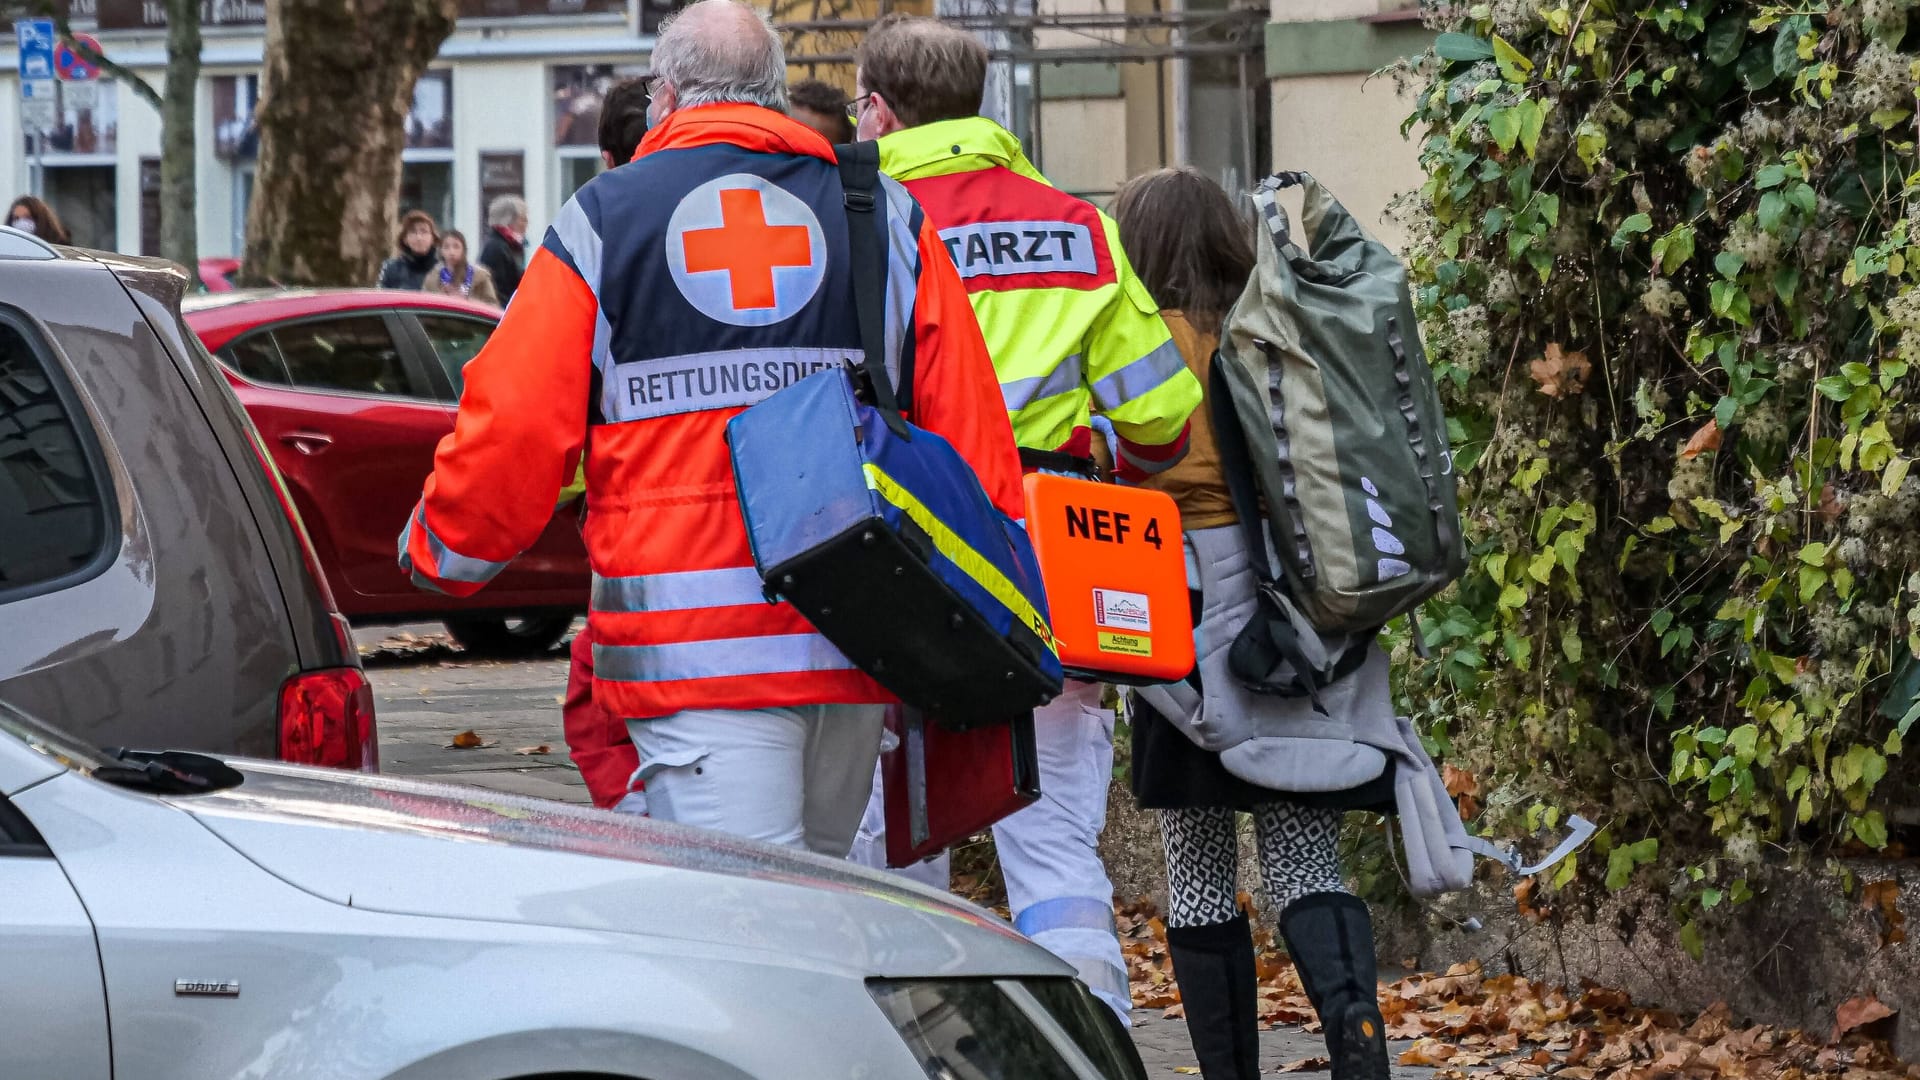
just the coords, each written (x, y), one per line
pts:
(709, 64)
(506, 209)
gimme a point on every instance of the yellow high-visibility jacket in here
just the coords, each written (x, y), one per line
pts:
(1069, 325)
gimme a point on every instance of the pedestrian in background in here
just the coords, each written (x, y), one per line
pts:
(623, 122)
(648, 318)
(453, 275)
(417, 250)
(1193, 252)
(1071, 331)
(505, 252)
(822, 107)
(30, 215)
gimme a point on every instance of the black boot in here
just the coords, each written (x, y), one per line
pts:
(1330, 938)
(1214, 966)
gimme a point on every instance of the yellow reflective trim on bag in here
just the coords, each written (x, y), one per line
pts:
(960, 553)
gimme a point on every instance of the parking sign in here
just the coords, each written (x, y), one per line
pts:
(36, 40)
(39, 107)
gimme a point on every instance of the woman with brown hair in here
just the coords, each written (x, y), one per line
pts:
(1193, 253)
(30, 215)
(454, 275)
(415, 252)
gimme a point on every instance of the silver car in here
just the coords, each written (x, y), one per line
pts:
(174, 915)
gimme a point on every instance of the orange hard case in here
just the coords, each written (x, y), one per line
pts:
(1116, 578)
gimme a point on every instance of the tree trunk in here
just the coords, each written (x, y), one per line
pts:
(334, 97)
(179, 198)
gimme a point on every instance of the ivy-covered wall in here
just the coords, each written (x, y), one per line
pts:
(1667, 280)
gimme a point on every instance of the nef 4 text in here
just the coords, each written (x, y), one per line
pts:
(1108, 526)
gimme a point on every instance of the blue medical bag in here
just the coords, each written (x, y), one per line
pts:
(879, 532)
(886, 542)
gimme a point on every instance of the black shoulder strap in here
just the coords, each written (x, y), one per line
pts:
(866, 246)
(1236, 461)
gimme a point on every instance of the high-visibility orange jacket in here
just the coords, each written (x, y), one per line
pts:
(1070, 326)
(669, 294)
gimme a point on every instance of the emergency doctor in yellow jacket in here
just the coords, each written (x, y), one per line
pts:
(1072, 331)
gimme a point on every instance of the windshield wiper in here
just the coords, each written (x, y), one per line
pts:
(168, 772)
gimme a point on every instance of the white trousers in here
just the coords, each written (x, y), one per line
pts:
(795, 776)
(1057, 886)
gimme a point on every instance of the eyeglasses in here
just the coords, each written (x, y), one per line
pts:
(653, 84)
(853, 107)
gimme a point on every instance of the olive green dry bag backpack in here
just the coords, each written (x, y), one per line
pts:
(1326, 411)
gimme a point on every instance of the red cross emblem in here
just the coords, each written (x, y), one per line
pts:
(744, 250)
(747, 248)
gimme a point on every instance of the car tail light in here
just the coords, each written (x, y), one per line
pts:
(326, 718)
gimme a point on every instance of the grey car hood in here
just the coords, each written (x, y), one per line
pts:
(414, 848)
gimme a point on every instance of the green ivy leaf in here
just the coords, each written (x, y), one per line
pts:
(1786, 282)
(1773, 211)
(1630, 228)
(1710, 898)
(1672, 251)
(1533, 120)
(1729, 264)
(1661, 620)
(1894, 475)
(1462, 48)
(1504, 125)
(1540, 568)
(1871, 830)
(1514, 65)
(1770, 176)
(1691, 941)
(1590, 142)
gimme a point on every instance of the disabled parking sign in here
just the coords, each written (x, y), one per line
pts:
(36, 40)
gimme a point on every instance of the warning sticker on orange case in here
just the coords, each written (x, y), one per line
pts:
(1122, 610)
(1130, 644)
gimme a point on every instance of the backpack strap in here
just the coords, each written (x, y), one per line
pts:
(1429, 471)
(866, 246)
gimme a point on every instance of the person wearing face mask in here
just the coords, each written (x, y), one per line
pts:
(30, 215)
(669, 295)
(418, 250)
(1073, 332)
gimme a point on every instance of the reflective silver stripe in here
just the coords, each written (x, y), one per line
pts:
(1063, 379)
(696, 382)
(449, 564)
(577, 235)
(903, 263)
(1151, 467)
(1140, 377)
(682, 591)
(777, 654)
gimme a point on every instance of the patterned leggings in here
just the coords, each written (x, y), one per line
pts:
(1298, 856)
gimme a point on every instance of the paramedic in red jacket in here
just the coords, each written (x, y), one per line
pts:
(669, 294)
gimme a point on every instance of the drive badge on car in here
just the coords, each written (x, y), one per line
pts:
(229, 988)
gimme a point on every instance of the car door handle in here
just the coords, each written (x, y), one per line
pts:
(307, 442)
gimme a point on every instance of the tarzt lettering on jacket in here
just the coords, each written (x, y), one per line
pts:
(1003, 248)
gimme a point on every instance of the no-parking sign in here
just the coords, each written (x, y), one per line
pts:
(69, 65)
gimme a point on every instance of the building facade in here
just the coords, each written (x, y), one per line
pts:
(509, 106)
(1100, 90)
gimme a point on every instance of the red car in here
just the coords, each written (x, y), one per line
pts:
(217, 274)
(352, 390)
